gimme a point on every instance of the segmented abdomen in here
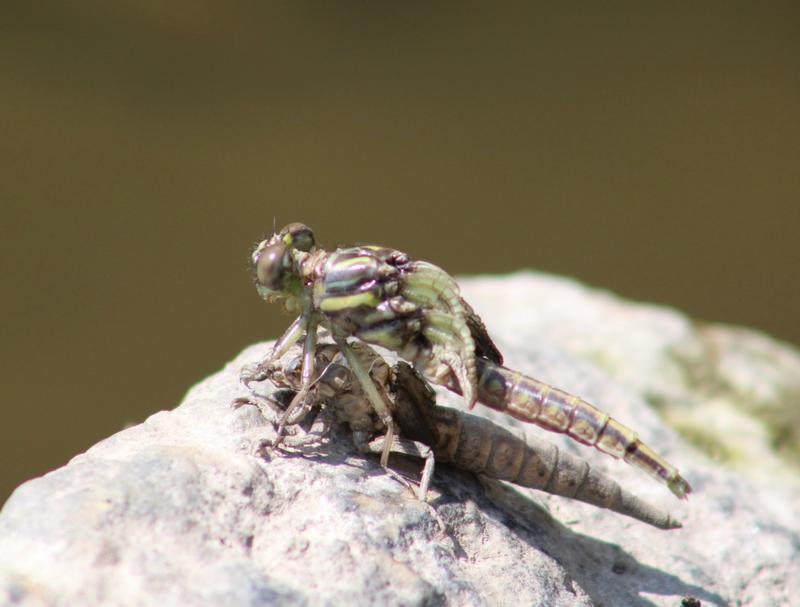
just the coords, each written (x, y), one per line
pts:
(476, 444)
(530, 400)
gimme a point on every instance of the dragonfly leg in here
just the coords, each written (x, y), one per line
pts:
(297, 408)
(414, 449)
(320, 428)
(375, 399)
(257, 401)
(260, 371)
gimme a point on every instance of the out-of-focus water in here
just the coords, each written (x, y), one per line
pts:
(144, 146)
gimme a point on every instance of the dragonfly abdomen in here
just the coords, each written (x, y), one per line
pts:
(532, 401)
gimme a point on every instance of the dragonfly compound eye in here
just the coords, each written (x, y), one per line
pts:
(298, 236)
(272, 265)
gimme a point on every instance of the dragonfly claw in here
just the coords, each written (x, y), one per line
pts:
(253, 373)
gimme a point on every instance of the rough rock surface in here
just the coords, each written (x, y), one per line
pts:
(178, 510)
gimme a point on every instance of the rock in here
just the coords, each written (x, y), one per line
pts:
(179, 510)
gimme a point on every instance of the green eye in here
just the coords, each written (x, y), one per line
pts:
(298, 236)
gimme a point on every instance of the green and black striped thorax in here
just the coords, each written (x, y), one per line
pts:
(360, 289)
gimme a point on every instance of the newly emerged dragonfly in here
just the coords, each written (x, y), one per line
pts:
(437, 433)
(414, 308)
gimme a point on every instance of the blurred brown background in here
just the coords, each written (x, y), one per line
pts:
(145, 145)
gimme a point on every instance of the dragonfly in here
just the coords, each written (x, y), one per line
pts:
(382, 297)
(435, 433)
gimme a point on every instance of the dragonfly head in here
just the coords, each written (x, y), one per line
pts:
(277, 262)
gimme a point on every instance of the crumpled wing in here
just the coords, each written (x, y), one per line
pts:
(484, 346)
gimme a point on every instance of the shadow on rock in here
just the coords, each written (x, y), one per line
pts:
(603, 569)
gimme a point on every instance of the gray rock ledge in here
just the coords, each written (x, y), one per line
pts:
(178, 510)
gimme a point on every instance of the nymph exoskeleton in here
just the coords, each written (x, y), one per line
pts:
(445, 434)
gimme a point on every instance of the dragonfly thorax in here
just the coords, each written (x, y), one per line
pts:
(359, 293)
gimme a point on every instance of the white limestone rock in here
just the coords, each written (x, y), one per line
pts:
(178, 510)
